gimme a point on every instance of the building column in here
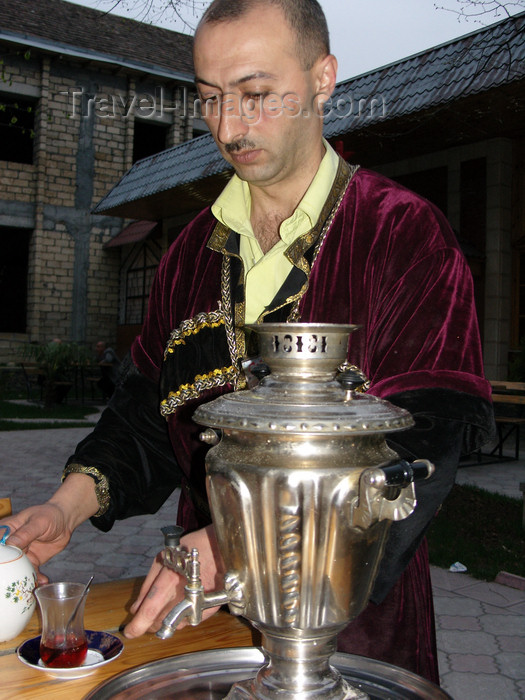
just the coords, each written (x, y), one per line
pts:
(498, 270)
(36, 277)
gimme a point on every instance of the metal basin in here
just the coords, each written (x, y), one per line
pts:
(209, 675)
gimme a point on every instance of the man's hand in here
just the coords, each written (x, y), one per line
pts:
(44, 530)
(163, 588)
(41, 532)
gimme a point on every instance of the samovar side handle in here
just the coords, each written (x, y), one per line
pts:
(373, 503)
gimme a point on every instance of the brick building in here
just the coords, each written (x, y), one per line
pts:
(83, 95)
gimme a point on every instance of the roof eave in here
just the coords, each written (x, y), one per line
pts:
(90, 55)
(159, 205)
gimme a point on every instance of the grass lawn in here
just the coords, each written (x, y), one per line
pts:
(481, 530)
(35, 415)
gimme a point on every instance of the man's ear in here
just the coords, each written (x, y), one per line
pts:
(325, 77)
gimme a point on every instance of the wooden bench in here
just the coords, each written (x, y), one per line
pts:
(507, 425)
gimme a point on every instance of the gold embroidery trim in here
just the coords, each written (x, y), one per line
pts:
(192, 326)
(185, 392)
(101, 484)
(318, 233)
(219, 238)
(346, 177)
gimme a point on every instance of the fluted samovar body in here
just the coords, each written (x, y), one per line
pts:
(284, 508)
(302, 488)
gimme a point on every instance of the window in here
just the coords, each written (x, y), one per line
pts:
(139, 277)
(431, 184)
(17, 128)
(473, 202)
(149, 137)
(14, 253)
(473, 226)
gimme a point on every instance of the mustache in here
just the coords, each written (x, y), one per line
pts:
(241, 145)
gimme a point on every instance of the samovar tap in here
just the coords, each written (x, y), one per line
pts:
(195, 600)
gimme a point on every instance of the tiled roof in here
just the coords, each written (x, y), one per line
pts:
(488, 58)
(470, 65)
(67, 24)
(178, 166)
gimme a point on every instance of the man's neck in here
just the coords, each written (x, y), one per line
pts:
(272, 205)
(268, 213)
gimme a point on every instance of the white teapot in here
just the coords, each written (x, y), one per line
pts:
(17, 582)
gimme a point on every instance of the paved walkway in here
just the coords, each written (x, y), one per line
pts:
(481, 626)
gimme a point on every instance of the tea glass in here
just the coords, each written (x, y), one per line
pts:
(63, 643)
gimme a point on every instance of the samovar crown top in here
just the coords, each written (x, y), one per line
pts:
(301, 394)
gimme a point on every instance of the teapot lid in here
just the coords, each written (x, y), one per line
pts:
(8, 553)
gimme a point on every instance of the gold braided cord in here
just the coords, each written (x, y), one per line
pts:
(186, 392)
(228, 321)
(192, 326)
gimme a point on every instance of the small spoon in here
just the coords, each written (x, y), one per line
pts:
(84, 594)
(59, 650)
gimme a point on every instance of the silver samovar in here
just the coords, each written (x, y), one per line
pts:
(302, 488)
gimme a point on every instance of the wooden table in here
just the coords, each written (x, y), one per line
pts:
(107, 609)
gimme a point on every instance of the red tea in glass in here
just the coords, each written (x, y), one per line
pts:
(63, 643)
(64, 653)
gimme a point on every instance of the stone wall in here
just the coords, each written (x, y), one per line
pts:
(83, 144)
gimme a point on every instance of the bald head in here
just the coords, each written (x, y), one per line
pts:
(305, 17)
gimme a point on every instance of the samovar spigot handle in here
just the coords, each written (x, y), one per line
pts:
(373, 502)
(195, 600)
(172, 535)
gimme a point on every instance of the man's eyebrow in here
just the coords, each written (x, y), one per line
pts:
(204, 82)
(245, 79)
(254, 76)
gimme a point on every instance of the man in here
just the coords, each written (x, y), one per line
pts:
(297, 234)
(109, 368)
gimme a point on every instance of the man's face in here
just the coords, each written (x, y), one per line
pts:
(256, 97)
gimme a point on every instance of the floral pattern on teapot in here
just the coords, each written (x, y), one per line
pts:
(17, 582)
(22, 592)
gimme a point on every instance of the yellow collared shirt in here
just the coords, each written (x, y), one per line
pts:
(265, 273)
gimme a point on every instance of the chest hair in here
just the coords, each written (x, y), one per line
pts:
(266, 230)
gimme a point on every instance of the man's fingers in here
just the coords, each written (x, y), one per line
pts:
(154, 603)
(38, 523)
(25, 534)
(41, 578)
(154, 571)
(163, 588)
(150, 614)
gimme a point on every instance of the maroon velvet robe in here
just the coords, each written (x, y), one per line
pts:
(391, 264)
